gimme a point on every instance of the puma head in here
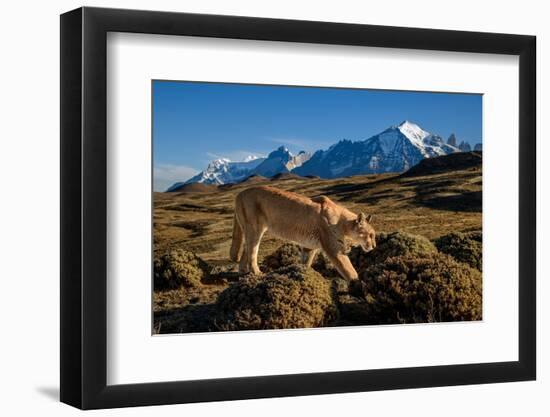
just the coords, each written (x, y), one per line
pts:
(363, 233)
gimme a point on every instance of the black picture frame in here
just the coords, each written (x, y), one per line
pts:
(84, 207)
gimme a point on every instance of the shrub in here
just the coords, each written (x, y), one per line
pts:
(177, 268)
(401, 244)
(406, 289)
(286, 255)
(464, 247)
(476, 235)
(354, 310)
(390, 245)
(293, 297)
(322, 265)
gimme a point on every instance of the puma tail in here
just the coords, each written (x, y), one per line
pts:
(237, 242)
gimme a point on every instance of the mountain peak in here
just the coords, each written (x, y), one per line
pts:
(452, 140)
(464, 146)
(219, 162)
(395, 149)
(412, 131)
(406, 122)
(222, 171)
(281, 160)
(280, 152)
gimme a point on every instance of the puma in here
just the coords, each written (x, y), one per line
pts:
(315, 224)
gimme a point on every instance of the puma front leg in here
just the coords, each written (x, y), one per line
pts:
(343, 265)
(333, 246)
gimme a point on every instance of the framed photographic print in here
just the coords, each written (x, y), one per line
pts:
(257, 207)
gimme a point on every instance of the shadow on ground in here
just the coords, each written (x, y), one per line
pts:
(467, 202)
(190, 318)
(49, 392)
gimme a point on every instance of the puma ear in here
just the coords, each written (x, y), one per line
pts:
(363, 218)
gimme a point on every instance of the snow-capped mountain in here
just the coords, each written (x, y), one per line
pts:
(396, 149)
(279, 161)
(223, 171)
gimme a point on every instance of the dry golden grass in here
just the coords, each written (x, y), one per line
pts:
(430, 206)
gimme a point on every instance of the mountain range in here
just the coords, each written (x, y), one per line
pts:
(396, 149)
(223, 171)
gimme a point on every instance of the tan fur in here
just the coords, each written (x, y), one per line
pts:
(315, 224)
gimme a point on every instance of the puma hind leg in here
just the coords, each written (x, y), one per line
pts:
(243, 262)
(253, 238)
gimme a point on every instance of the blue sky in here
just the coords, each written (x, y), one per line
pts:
(194, 123)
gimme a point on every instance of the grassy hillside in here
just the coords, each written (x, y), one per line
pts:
(430, 203)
